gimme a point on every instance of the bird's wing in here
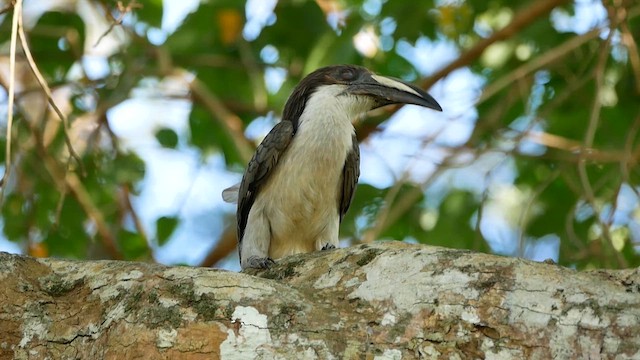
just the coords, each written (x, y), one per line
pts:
(350, 175)
(260, 167)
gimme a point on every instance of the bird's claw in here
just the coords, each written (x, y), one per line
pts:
(328, 247)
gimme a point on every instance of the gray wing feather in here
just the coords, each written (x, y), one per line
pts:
(350, 175)
(264, 160)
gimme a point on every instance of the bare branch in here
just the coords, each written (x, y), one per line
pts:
(7, 8)
(537, 63)
(126, 198)
(223, 247)
(69, 181)
(632, 47)
(12, 83)
(589, 136)
(523, 18)
(45, 87)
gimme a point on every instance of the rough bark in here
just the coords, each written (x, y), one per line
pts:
(378, 301)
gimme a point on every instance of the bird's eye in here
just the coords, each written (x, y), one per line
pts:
(348, 74)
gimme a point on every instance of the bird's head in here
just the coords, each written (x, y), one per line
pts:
(355, 88)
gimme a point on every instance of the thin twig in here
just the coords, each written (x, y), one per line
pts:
(630, 160)
(64, 181)
(479, 238)
(12, 84)
(82, 196)
(381, 218)
(124, 10)
(254, 73)
(524, 215)
(7, 8)
(126, 196)
(223, 247)
(409, 198)
(59, 205)
(537, 63)
(589, 137)
(393, 211)
(634, 57)
(47, 91)
(522, 19)
(570, 230)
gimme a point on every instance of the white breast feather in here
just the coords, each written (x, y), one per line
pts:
(301, 198)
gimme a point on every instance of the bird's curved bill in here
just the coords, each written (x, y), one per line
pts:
(386, 90)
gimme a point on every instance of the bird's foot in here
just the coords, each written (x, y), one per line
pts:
(328, 247)
(255, 262)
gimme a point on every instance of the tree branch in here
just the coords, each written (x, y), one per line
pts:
(17, 10)
(392, 299)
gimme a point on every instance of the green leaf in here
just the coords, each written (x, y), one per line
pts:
(16, 224)
(150, 12)
(413, 18)
(165, 226)
(132, 245)
(57, 41)
(203, 32)
(167, 138)
(453, 227)
(129, 168)
(68, 238)
(309, 23)
(202, 128)
(367, 201)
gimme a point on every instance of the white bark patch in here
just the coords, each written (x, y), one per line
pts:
(167, 303)
(166, 338)
(188, 314)
(470, 315)
(100, 282)
(115, 314)
(627, 320)
(389, 354)
(388, 319)
(488, 346)
(224, 286)
(352, 282)
(417, 281)
(33, 327)
(7, 267)
(585, 318)
(313, 349)
(327, 280)
(430, 352)
(131, 275)
(107, 292)
(249, 341)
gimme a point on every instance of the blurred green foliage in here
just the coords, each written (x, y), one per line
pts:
(582, 102)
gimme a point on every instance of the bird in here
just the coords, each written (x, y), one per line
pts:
(302, 177)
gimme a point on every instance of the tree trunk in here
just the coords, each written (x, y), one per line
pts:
(378, 301)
